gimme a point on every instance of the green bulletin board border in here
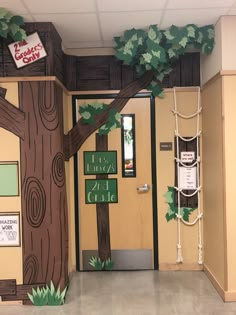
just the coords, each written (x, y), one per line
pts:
(97, 153)
(100, 181)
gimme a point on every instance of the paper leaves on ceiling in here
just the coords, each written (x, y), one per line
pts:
(155, 50)
(10, 25)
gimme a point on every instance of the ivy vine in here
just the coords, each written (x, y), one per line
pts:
(89, 112)
(172, 210)
(10, 25)
(155, 50)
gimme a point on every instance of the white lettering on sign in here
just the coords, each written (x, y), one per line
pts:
(9, 230)
(29, 50)
(188, 178)
(187, 157)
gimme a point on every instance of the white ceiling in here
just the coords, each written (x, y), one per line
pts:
(90, 25)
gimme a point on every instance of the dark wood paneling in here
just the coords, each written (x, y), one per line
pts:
(190, 69)
(21, 292)
(115, 74)
(127, 76)
(90, 85)
(70, 72)
(91, 72)
(8, 287)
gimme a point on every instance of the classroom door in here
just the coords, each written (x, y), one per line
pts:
(131, 218)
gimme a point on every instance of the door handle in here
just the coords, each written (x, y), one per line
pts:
(143, 188)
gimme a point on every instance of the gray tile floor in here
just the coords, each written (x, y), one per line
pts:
(135, 293)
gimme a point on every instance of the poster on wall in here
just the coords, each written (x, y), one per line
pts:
(9, 229)
(28, 51)
(187, 157)
(188, 178)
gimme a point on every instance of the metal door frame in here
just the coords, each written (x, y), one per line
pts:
(153, 168)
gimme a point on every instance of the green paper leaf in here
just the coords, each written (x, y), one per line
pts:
(3, 13)
(152, 33)
(14, 28)
(169, 196)
(18, 20)
(183, 42)
(3, 25)
(147, 57)
(191, 31)
(168, 35)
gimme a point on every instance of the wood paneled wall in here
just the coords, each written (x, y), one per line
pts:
(107, 73)
(89, 73)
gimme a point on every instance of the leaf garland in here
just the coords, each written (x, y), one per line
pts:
(89, 112)
(172, 210)
(156, 49)
(10, 25)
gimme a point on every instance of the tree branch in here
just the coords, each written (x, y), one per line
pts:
(80, 132)
(11, 118)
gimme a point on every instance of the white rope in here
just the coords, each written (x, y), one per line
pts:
(187, 139)
(188, 195)
(188, 166)
(187, 117)
(179, 190)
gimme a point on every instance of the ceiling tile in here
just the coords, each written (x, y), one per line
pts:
(200, 17)
(130, 5)
(185, 4)
(15, 6)
(114, 24)
(60, 6)
(73, 27)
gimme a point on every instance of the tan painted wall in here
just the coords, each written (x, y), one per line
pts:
(165, 127)
(11, 257)
(213, 181)
(223, 55)
(229, 110)
(212, 64)
(69, 168)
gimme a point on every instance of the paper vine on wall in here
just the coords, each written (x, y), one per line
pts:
(155, 50)
(89, 112)
(172, 210)
(10, 25)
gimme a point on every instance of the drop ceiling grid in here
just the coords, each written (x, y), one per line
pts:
(94, 23)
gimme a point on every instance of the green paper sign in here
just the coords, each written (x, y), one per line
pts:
(100, 162)
(101, 191)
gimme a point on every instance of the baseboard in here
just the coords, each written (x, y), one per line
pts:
(182, 266)
(230, 296)
(215, 283)
(6, 303)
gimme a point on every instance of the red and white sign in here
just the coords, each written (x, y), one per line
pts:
(29, 50)
(187, 157)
